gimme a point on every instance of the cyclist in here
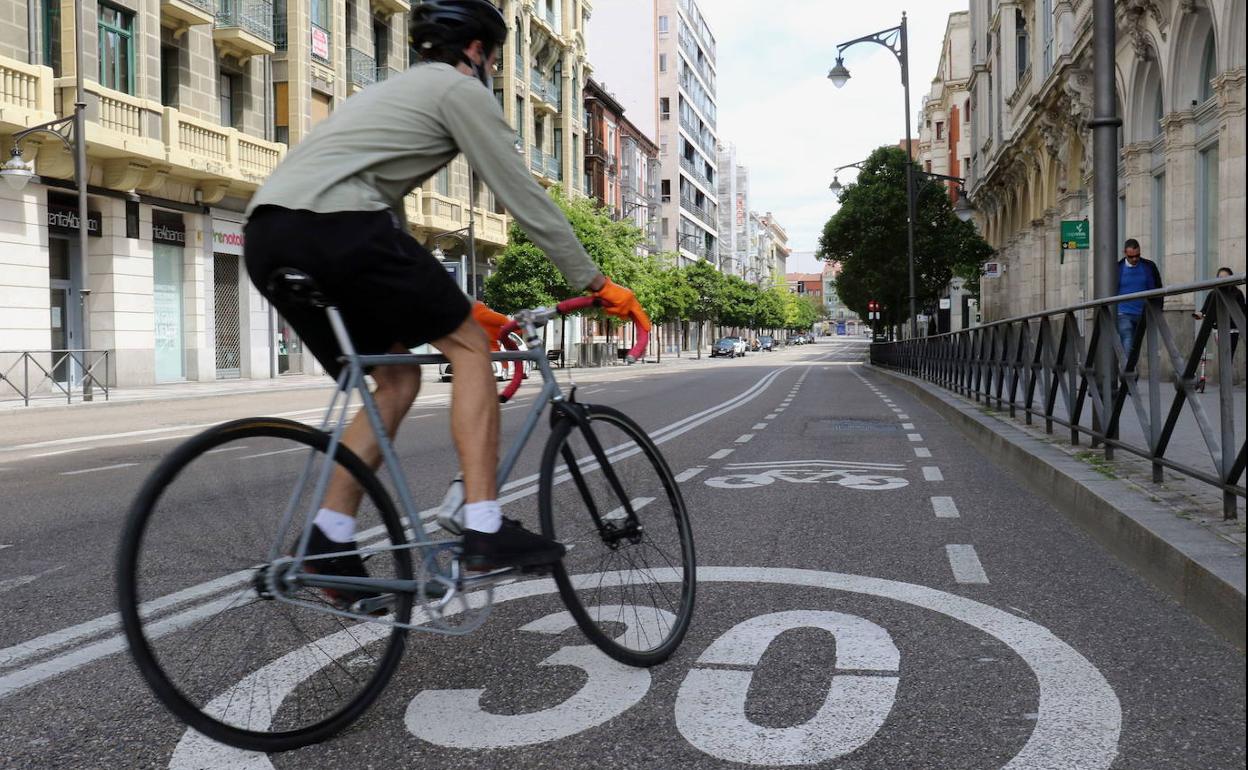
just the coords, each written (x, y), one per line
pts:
(333, 209)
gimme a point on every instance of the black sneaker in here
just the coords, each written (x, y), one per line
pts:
(347, 565)
(511, 546)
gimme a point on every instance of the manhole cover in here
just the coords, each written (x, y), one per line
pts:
(831, 427)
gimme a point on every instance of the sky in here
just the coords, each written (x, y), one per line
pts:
(791, 126)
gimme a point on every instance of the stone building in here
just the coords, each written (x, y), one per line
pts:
(1180, 85)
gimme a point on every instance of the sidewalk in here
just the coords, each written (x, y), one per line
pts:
(1172, 533)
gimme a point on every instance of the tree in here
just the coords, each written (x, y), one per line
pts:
(707, 285)
(867, 237)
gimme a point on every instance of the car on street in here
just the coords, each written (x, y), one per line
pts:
(741, 345)
(724, 347)
(767, 343)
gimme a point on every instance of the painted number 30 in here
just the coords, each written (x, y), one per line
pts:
(710, 705)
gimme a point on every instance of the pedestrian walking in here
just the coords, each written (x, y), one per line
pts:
(1209, 309)
(1134, 274)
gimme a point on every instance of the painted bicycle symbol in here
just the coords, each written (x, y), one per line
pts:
(846, 473)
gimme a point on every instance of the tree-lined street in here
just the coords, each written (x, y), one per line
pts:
(873, 592)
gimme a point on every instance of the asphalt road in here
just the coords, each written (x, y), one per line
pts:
(925, 610)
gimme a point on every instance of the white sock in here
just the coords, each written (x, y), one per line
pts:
(338, 527)
(484, 516)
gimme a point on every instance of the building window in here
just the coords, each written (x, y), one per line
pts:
(1207, 214)
(1021, 42)
(1208, 69)
(665, 190)
(940, 130)
(169, 72)
(225, 93)
(1159, 221)
(52, 36)
(1046, 22)
(665, 108)
(116, 40)
(662, 25)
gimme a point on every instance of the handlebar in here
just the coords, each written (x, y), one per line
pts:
(566, 307)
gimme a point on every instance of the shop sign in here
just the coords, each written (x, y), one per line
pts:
(168, 228)
(227, 237)
(64, 219)
(993, 269)
(1075, 234)
(320, 43)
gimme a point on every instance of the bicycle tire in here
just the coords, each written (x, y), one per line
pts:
(657, 479)
(163, 685)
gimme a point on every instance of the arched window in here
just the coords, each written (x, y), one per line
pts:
(1158, 113)
(1208, 69)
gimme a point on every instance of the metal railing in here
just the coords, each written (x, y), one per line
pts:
(66, 371)
(536, 159)
(363, 67)
(254, 16)
(1026, 363)
(696, 172)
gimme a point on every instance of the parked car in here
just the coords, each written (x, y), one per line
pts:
(766, 343)
(741, 344)
(725, 347)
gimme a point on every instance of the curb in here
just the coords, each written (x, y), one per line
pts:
(1198, 569)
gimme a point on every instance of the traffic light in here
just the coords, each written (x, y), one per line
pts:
(873, 309)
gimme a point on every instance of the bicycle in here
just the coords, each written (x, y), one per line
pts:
(301, 668)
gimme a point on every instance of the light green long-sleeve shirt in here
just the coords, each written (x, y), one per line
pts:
(392, 136)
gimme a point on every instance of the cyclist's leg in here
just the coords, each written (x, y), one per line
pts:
(474, 409)
(397, 387)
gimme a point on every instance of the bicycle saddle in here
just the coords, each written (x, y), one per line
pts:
(296, 286)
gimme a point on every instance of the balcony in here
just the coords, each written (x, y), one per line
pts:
(26, 94)
(702, 214)
(390, 7)
(697, 173)
(554, 167)
(362, 69)
(385, 73)
(181, 15)
(244, 28)
(216, 153)
(547, 94)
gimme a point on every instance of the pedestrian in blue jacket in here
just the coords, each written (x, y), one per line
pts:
(1134, 274)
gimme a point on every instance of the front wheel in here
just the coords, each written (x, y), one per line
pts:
(223, 647)
(629, 582)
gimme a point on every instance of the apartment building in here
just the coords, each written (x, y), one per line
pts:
(772, 256)
(621, 163)
(666, 58)
(734, 206)
(944, 141)
(190, 105)
(1180, 71)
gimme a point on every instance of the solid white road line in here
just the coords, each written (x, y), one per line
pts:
(922, 451)
(745, 439)
(685, 475)
(915, 436)
(165, 438)
(274, 452)
(965, 564)
(721, 454)
(219, 450)
(62, 452)
(944, 507)
(932, 473)
(101, 468)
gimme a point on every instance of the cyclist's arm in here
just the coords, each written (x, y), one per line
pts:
(477, 124)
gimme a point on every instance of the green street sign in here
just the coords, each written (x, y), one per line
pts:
(1075, 234)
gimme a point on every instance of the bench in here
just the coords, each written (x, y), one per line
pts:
(555, 357)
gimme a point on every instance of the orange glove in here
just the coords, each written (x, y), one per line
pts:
(490, 321)
(622, 303)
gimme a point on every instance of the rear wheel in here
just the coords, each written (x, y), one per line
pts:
(629, 585)
(198, 584)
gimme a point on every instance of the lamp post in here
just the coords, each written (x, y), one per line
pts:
(72, 132)
(895, 40)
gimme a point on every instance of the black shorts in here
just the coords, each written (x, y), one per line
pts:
(387, 286)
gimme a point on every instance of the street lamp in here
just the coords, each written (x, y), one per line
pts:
(72, 133)
(894, 39)
(836, 185)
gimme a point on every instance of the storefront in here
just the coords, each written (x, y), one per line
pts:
(168, 247)
(228, 290)
(65, 279)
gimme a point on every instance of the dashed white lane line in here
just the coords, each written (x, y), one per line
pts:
(101, 468)
(721, 454)
(965, 564)
(744, 439)
(897, 412)
(685, 475)
(932, 473)
(219, 450)
(274, 452)
(915, 436)
(619, 513)
(907, 426)
(944, 507)
(922, 451)
(5, 545)
(771, 416)
(165, 438)
(901, 416)
(759, 426)
(63, 452)
(779, 409)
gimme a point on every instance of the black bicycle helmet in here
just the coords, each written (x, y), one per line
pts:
(441, 22)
